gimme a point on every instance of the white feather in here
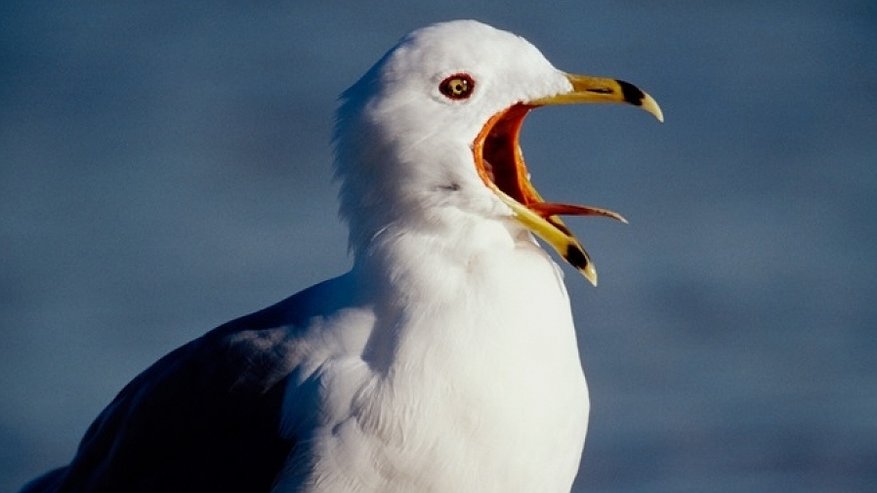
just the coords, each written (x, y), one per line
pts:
(452, 365)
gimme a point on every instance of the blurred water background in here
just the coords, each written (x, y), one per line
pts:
(165, 167)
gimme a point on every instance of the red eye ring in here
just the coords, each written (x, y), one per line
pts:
(457, 86)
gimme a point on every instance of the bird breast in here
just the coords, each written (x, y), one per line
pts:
(477, 387)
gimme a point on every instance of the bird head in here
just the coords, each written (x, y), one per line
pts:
(434, 125)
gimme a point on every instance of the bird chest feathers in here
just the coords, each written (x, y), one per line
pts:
(476, 388)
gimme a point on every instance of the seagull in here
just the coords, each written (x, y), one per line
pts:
(444, 361)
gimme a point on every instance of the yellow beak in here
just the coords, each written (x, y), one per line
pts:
(588, 89)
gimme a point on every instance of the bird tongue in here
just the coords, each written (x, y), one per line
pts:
(547, 209)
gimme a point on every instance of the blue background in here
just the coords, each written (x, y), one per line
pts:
(165, 166)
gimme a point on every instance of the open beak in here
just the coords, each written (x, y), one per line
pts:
(500, 163)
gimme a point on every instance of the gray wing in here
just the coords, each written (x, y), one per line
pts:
(205, 417)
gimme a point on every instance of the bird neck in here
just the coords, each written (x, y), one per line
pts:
(381, 199)
(412, 255)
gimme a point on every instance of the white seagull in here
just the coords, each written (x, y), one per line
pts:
(445, 361)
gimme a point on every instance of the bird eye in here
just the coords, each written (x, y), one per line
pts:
(457, 86)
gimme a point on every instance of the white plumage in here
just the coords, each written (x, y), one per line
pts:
(445, 361)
